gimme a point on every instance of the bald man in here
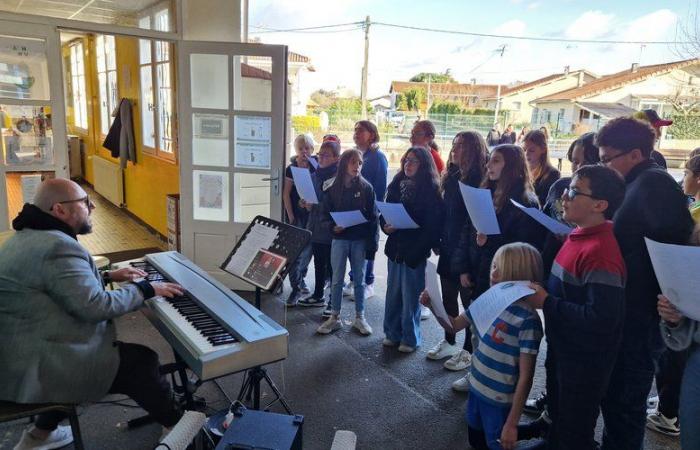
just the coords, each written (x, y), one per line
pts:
(58, 340)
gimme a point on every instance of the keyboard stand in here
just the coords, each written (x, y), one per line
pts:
(254, 376)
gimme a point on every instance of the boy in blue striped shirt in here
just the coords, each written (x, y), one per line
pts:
(503, 363)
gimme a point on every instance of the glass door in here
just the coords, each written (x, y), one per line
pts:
(32, 118)
(232, 145)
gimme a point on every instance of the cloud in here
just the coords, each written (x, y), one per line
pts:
(534, 5)
(590, 25)
(650, 27)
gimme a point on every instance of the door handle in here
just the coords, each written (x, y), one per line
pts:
(270, 179)
(274, 181)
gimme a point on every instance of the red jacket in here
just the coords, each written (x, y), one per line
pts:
(439, 164)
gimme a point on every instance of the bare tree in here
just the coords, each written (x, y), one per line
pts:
(688, 33)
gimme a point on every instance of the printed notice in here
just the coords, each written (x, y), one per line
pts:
(259, 237)
(480, 208)
(253, 141)
(491, 304)
(677, 268)
(210, 195)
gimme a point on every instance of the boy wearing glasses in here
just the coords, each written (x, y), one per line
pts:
(654, 207)
(583, 308)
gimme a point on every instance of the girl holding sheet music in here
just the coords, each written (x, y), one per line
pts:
(500, 378)
(507, 178)
(407, 250)
(349, 192)
(467, 164)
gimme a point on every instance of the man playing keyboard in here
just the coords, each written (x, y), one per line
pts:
(58, 338)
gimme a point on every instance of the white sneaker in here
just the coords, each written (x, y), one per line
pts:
(349, 290)
(424, 313)
(653, 403)
(403, 348)
(461, 385)
(361, 325)
(389, 343)
(460, 361)
(60, 437)
(369, 291)
(332, 324)
(664, 425)
(442, 350)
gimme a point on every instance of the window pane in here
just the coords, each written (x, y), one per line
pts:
(252, 83)
(104, 103)
(78, 86)
(144, 51)
(162, 51)
(210, 143)
(210, 195)
(113, 96)
(23, 68)
(209, 81)
(110, 53)
(31, 140)
(100, 44)
(165, 107)
(251, 196)
(147, 126)
(162, 20)
(145, 22)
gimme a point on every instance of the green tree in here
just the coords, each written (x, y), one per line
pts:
(434, 77)
(414, 99)
(401, 104)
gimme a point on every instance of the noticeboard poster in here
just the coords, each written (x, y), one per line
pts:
(253, 141)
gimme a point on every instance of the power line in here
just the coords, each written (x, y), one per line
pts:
(361, 24)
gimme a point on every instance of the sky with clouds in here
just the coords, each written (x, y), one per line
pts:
(397, 54)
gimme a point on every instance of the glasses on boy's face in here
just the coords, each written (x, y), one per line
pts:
(571, 193)
(605, 160)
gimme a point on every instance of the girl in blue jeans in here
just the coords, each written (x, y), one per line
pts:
(349, 192)
(416, 187)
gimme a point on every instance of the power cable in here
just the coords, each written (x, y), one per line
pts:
(355, 25)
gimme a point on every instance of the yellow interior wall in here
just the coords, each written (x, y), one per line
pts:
(147, 182)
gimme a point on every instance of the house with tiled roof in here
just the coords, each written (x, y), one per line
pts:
(470, 95)
(589, 106)
(299, 69)
(516, 99)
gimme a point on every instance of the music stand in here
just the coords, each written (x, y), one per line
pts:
(264, 268)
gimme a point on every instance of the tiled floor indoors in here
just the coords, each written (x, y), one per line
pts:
(340, 382)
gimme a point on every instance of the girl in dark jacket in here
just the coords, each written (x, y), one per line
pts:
(507, 178)
(321, 235)
(349, 192)
(407, 250)
(467, 165)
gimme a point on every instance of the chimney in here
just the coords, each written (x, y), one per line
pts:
(580, 80)
(566, 70)
(635, 67)
(473, 81)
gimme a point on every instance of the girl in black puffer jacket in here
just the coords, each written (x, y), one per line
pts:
(416, 187)
(467, 165)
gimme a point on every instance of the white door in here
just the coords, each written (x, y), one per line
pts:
(232, 122)
(32, 113)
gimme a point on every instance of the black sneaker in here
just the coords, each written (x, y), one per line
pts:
(327, 311)
(536, 405)
(312, 301)
(536, 429)
(293, 298)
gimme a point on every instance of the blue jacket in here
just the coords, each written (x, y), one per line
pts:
(374, 170)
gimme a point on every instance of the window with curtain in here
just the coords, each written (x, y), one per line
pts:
(107, 79)
(157, 102)
(79, 94)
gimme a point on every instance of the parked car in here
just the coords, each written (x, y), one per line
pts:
(396, 118)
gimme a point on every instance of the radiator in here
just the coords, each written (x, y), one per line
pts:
(108, 180)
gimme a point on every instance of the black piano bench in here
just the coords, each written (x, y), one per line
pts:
(14, 411)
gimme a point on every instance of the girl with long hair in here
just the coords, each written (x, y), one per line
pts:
(467, 164)
(542, 172)
(374, 169)
(407, 250)
(349, 192)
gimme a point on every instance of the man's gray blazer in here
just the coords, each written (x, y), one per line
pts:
(56, 333)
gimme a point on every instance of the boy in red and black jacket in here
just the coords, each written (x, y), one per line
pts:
(583, 308)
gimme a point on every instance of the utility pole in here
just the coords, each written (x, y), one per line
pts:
(502, 50)
(363, 89)
(427, 100)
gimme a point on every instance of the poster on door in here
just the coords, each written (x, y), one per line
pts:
(210, 195)
(253, 141)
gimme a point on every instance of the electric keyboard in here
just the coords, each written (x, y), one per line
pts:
(211, 328)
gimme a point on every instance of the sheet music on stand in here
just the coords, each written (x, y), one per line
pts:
(263, 255)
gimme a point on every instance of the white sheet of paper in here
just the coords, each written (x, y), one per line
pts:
(677, 268)
(432, 285)
(260, 237)
(491, 304)
(304, 185)
(313, 162)
(552, 225)
(396, 215)
(347, 219)
(480, 208)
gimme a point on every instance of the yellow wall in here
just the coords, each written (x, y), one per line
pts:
(147, 182)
